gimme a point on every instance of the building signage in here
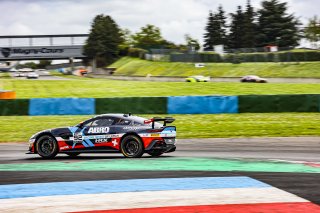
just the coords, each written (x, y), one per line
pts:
(41, 52)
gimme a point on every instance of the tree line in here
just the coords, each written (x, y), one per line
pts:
(246, 28)
(270, 25)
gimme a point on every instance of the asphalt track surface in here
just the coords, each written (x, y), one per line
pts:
(42, 76)
(305, 185)
(216, 79)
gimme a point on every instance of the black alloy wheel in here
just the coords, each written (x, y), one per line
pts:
(47, 147)
(132, 147)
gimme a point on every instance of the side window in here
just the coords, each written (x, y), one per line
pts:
(135, 123)
(123, 122)
(101, 122)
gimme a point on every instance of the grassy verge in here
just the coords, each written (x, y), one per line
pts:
(138, 67)
(4, 75)
(95, 88)
(20, 128)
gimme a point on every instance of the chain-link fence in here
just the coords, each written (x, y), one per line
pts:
(243, 55)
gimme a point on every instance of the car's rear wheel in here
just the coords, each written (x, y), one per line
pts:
(47, 147)
(155, 153)
(132, 147)
(73, 154)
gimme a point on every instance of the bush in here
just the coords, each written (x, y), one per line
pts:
(300, 56)
(123, 50)
(248, 57)
(137, 52)
(202, 57)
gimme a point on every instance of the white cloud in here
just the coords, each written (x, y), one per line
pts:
(174, 17)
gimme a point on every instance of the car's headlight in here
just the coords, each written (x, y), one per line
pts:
(32, 138)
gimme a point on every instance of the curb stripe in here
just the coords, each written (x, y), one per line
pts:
(149, 199)
(164, 164)
(112, 186)
(235, 208)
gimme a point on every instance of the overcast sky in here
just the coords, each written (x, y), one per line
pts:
(174, 17)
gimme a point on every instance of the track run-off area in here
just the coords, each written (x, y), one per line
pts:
(203, 175)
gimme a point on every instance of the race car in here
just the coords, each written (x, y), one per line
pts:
(131, 135)
(253, 79)
(198, 78)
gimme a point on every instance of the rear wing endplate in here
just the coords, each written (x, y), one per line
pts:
(165, 120)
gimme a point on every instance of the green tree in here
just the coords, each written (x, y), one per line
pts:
(31, 65)
(149, 37)
(236, 36)
(103, 41)
(210, 35)
(312, 31)
(249, 27)
(43, 64)
(126, 37)
(276, 26)
(127, 42)
(222, 24)
(191, 43)
(215, 29)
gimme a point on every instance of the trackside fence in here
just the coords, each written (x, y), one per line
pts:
(162, 105)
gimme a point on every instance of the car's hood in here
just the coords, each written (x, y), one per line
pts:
(49, 131)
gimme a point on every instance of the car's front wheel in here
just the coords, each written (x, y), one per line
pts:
(132, 147)
(47, 147)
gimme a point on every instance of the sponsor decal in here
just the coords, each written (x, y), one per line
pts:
(104, 140)
(158, 135)
(6, 52)
(114, 142)
(133, 128)
(77, 137)
(168, 135)
(98, 130)
(101, 140)
(91, 137)
(170, 129)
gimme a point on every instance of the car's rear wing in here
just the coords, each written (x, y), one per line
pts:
(165, 120)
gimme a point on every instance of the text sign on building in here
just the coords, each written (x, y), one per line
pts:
(39, 52)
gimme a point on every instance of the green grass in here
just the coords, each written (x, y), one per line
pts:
(138, 67)
(95, 88)
(4, 75)
(20, 128)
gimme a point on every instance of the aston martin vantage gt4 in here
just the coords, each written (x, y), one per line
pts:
(131, 135)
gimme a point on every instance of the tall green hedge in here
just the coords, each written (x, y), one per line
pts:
(248, 57)
(202, 57)
(279, 103)
(14, 107)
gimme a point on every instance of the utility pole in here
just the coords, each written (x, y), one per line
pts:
(94, 64)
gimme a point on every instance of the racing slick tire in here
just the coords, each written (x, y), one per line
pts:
(73, 154)
(47, 147)
(132, 147)
(155, 153)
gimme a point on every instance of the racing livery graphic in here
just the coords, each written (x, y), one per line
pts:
(131, 135)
